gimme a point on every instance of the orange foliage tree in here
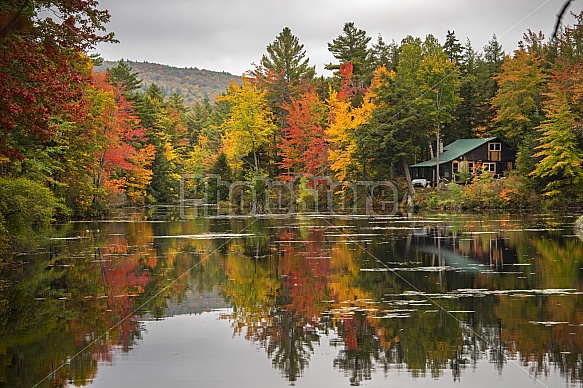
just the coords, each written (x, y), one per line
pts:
(344, 122)
(304, 148)
(122, 157)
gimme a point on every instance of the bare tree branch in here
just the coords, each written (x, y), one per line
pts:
(560, 18)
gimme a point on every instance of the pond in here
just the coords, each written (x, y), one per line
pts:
(305, 300)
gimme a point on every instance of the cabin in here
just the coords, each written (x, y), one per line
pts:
(467, 155)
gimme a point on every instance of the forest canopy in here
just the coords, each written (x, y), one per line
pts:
(100, 139)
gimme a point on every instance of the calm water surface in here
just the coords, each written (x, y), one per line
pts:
(309, 301)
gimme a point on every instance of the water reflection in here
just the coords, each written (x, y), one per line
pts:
(422, 295)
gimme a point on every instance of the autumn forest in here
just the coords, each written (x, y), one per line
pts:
(77, 143)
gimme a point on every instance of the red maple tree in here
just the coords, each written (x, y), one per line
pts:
(43, 68)
(304, 148)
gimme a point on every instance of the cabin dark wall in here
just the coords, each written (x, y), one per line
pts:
(479, 154)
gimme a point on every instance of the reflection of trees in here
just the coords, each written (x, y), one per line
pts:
(298, 305)
(277, 296)
(548, 331)
(278, 291)
(70, 308)
(361, 348)
(291, 285)
(526, 327)
(278, 278)
(289, 345)
(185, 263)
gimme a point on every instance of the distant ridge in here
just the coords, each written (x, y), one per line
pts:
(192, 84)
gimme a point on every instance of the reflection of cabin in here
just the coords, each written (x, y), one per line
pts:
(441, 246)
(468, 155)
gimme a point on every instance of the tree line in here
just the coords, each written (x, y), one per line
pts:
(388, 104)
(85, 142)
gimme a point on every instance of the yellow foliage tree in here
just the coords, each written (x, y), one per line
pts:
(248, 125)
(345, 121)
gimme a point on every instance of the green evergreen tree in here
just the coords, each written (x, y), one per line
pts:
(149, 104)
(176, 101)
(198, 119)
(494, 53)
(385, 54)
(154, 92)
(453, 48)
(469, 119)
(439, 83)
(220, 171)
(286, 56)
(352, 47)
(123, 77)
(284, 73)
(489, 65)
(560, 158)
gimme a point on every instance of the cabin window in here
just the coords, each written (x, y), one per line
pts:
(495, 146)
(495, 151)
(462, 166)
(490, 167)
(471, 167)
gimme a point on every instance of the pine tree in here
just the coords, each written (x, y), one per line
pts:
(124, 78)
(452, 47)
(470, 115)
(439, 84)
(492, 59)
(284, 73)
(286, 56)
(220, 171)
(352, 47)
(386, 55)
(560, 163)
(494, 53)
(176, 101)
(198, 119)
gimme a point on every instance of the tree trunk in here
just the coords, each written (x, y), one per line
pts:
(408, 176)
(438, 150)
(256, 163)
(579, 228)
(97, 179)
(437, 159)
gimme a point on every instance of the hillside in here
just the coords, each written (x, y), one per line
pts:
(192, 84)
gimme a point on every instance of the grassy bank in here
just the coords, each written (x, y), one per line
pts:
(509, 193)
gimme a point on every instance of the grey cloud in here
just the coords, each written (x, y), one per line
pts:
(231, 34)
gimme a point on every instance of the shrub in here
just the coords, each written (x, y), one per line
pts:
(511, 192)
(453, 197)
(25, 206)
(306, 198)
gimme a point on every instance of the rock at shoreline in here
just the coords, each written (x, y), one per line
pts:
(579, 227)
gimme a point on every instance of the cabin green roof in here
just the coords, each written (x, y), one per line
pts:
(455, 150)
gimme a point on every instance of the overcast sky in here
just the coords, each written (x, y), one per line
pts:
(231, 35)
